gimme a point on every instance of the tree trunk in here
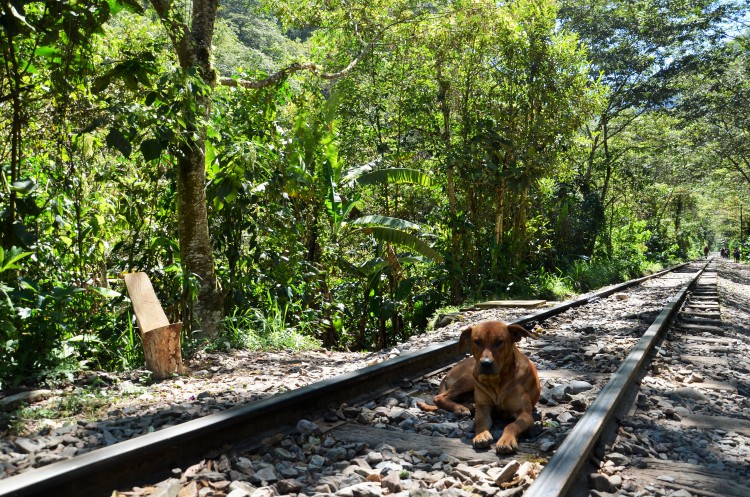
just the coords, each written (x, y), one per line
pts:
(519, 242)
(443, 88)
(192, 43)
(195, 243)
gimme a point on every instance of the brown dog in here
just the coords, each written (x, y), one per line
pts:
(501, 377)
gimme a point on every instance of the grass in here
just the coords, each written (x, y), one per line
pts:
(89, 402)
(269, 330)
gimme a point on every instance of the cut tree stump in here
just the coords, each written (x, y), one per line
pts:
(161, 340)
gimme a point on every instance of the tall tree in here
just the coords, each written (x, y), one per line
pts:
(192, 34)
(636, 49)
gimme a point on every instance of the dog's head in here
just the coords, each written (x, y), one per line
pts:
(493, 344)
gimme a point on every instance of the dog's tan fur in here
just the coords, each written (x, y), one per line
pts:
(501, 378)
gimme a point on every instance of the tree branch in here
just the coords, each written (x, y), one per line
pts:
(284, 73)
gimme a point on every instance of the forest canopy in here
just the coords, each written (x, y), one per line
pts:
(301, 174)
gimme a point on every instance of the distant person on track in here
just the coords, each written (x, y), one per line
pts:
(737, 254)
(705, 252)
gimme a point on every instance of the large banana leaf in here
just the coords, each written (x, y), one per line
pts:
(390, 222)
(394, 176)
(404, 239)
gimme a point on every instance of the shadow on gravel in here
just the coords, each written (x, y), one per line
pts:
(46, 445)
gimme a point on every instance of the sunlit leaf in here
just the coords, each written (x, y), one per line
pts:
(398, 237)
(395, 176)
(23, 186)
(105, 292)
(386, 221)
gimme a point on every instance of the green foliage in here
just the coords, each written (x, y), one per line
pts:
(266, 329)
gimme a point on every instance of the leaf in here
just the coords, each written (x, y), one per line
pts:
(23, 186)
(8, 261)
(398, 237)
(130, 5)
(101, 83)
(405, 288)
(47, 52)
(117, 140)
(151, 149)
(395, 176)
(105, 292)
(391, 222)
(97, 122)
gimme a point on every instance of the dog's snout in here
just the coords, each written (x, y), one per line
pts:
(485, 365)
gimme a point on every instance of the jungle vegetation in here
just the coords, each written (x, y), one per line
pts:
(304, 173)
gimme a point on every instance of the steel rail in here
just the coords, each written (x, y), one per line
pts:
(558, 476)
(153, 455)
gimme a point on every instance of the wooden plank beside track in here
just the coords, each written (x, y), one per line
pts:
(526, 304)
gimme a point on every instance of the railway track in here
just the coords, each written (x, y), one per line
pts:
(378, 433)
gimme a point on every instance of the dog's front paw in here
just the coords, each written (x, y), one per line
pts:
(462, 411)
(506, 445)
(482, 440)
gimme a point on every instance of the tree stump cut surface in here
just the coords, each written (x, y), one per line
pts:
(161, 340)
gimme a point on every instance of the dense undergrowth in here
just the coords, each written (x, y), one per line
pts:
(60, 332)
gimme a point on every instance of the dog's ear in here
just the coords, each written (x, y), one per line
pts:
(518, 332)
(465, 338)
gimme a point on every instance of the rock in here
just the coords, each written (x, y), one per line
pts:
(444, 320)
(615, 481)
(600, 482)
(618, 459)
(234, 493)
(681, 411)
(680, 493)
(558, 393)
(504, 474)
(282, 453)
(554, 351)
(191, 490)
(306, 427)
(695, 378)
(364, 489)
(578, 386)
(264, 476)
(263, 492)
(392, 482)
(167, 488)
(28, 446)
(366, 417)
(288, 486)
(565, 417)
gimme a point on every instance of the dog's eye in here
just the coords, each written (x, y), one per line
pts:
(478, 342)
(498, 343)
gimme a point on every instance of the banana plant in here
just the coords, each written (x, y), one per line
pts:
(384, 229)
(388, 232)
